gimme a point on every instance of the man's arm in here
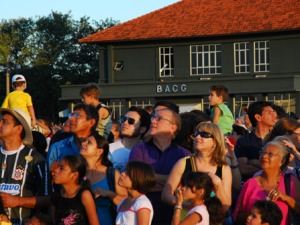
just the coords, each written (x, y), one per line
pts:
(248, 167)
(11, 201)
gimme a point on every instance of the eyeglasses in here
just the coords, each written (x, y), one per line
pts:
(160, 118)
(131, 121)
(270, 154)
(76, 115)
(203, 134)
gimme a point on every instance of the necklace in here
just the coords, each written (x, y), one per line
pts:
(267, 187)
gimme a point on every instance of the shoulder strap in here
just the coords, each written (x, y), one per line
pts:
(287, 183)
(98, 106)
(110, 174)
(193, 163)
(219, 171)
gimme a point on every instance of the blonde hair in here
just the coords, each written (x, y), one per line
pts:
(219, 153)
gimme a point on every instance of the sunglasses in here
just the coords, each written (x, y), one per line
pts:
(131, 121)
(203, 134)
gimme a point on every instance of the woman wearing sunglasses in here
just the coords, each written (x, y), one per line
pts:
(209, 156)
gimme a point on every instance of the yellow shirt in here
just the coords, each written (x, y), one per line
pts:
(17, 99)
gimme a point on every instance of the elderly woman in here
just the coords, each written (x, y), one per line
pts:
(209, 146)
(269, 184)
(103, 178)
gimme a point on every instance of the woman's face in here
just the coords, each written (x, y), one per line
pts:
(89, 148)
(203, 141)
(295, 137)
(271, 157)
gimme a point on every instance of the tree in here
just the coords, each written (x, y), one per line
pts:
(44, 48)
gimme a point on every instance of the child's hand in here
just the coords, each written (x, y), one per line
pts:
(229, 145)
(33, 122)
(178, 195)
(100, 192)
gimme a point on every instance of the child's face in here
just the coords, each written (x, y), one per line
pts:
(63, 173)
(89, 148)
(214, 99)
(87, 99)
(124, 180)
(254, 218)
(187, 193)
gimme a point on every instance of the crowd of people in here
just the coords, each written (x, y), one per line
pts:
(151, 166)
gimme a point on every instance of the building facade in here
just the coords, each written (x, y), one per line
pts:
(176, 53)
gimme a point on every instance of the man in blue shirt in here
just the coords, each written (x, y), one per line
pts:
(83, 122)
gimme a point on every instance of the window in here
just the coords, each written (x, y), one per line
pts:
(206, 59)
(166, 63)
(261, 56)
(241, 58)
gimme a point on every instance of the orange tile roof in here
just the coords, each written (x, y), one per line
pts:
(200, 18)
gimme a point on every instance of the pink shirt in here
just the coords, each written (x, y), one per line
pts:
(252, 191)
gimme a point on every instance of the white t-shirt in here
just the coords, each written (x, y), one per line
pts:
(201, 210)
(119, 155)
(129, 217)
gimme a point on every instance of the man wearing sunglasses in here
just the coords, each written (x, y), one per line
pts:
(161, 153)
(134, 125)
(262, 117)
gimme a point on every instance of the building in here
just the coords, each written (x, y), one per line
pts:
(177, 52)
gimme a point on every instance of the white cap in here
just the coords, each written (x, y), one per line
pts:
(18, 77)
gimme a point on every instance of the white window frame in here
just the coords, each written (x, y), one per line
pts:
(166, 62)
(261, 56)
(206, 60)
(241, 57)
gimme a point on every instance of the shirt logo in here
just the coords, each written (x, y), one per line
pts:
(18, 174)
(13, 189)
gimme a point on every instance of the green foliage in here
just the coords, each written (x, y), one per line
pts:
(49, 46)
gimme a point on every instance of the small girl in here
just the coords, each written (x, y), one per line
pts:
(138, 179)
(205, 210)
(74, 203)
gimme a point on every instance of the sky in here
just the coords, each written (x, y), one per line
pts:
(122, 10)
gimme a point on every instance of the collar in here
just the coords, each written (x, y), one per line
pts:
(11, 152)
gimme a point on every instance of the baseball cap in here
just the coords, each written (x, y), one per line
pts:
(18, 77)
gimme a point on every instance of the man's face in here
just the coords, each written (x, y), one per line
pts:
(131, 130)
(268, 116)
(162, 123)
(7, 126)
(79, 124)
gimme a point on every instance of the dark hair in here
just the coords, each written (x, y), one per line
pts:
(220, 90)
(149, 109)
(77, 164)
(281, 113)
(141, 175)
(239, 130)
(18, 84)
(145, 117)
(91, 113)
(102, 143)
(189, 120)
(90, 89)
(43, 219)
(270, 212)
(199, 180)
(257, 108)
(39, 142)
(170, 105)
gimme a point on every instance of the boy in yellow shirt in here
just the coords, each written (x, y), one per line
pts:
(20, 99)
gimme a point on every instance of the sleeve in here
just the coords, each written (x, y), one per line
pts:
(136, 154)
(142, 203)
(5, 102)
(41, 175)
(238, 150)
(240, 202)
(52, 155)
(28, 100)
